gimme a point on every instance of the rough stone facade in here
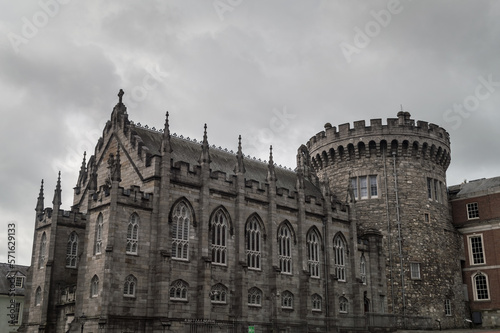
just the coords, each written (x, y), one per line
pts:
(397, 176)
(172, 234)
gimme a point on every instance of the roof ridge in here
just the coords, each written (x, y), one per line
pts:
(220, 148)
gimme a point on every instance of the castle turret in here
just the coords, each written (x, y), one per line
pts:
(396, 174)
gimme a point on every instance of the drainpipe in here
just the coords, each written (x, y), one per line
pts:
(398, 221)
(389, 238)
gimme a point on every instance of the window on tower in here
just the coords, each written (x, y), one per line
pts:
(364, 187)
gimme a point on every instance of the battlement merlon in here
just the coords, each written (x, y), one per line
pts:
(402, 125)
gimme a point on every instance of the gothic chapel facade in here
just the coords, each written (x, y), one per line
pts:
(167, 233)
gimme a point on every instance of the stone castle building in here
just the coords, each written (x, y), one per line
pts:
(167, 233)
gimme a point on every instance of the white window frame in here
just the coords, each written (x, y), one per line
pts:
(447, 307)
(471, 250)
(340, 248)
(316, 303)
(218, 294)
(343, 305)
(474, 286)
(19, 281)
(365, 187)
(472, 209)
(98, 234)
(94, 286)
(130, 286)
(415, 271)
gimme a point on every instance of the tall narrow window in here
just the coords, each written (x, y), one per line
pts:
(429, 188)
(354, 183)
(472, 211)
(181, 220)
(415, 270)
(286, 300)
(363, 188)
(38, 296)
(129, 286)
(43, 249)
(362, 269)
(94, 286)
(219, 237)
(71, 250)
(14, 316)
(476, 252)
(178, 291)
(373, 186)
(132, 234)
(313, 253)
(98, 235)
(285, 249)
(254, 297)
(480, 283)
(316, 302)
(339, 259)
(253, 241)
(218, 294)
(447, 307)
(343, 305)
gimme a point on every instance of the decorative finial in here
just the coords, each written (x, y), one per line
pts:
(240, 166)
(401, 107)
(271, 172)
(57, 192)
(120, 96)
(205, 155)
(39, 203)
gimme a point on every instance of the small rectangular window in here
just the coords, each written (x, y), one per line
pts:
(415, 270)
(427, 217)
(19, 282)
(472, 211)
(436, 191)
(447, 307)
(354, 184)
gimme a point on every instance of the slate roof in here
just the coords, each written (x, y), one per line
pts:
(477, 187)
(5, 270)
(189, 151)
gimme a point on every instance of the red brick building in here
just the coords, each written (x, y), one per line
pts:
(476, 215)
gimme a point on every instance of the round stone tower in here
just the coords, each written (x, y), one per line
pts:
(395, 175)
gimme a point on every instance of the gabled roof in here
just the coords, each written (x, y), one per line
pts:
(476, 188)
(5, 272)
(187, 151)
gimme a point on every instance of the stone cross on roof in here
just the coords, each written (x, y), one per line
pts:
(120, 95)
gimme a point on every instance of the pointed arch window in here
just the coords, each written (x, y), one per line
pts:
(219, 238)
(98, 235)
(218, 294)
(313, 247)
(132, 234)
(254, 297)
(343, 305)
(339, 248)
(362, 269)
(38, 296)
(316, 302)
(480, 285)
(178, 291)
(129, 286)
(181, 220)
(94, 286)
(253, 241)
(43, 250)
(286, 300)
(285, 249)
(72, 250)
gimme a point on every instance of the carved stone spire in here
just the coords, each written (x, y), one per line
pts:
(240, 165)
(82, 177)
(165, 143)
(114, 166)
(271, 172)
(205, 155)
(93, 174)
(39, 203)
(57, 192)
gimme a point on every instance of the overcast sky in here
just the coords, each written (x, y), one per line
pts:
(273, 71)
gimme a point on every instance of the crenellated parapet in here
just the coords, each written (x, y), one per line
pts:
(402, 136)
